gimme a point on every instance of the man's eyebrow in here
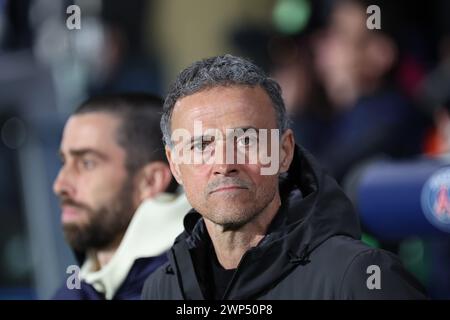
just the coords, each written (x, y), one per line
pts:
(84, 151)
(244, 129)
(208, 137)
(199, 138)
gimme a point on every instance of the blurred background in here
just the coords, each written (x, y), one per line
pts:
(373, 105)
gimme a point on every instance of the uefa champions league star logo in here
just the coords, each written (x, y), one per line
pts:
(436, 199)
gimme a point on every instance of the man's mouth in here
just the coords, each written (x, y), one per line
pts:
(227, 189)
(70, 213)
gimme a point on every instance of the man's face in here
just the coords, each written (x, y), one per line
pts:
(93, 184)
(228, 194)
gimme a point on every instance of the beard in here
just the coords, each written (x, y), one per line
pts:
(105, 224)
(234, 216)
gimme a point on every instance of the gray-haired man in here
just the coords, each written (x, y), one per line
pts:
(292, 234)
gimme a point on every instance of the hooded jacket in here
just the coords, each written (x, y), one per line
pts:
(311, 251)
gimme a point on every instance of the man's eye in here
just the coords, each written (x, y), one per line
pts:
(88, 164)
(200, 146)
(247, 141)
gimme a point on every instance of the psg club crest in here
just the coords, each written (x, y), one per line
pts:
(436, 199)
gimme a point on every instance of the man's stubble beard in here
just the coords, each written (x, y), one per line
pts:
(242, 216)
(106, 225)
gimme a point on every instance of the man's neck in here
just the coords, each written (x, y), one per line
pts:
(231, 245)
(103, 256)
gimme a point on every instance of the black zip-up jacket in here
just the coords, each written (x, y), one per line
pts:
(311, 251)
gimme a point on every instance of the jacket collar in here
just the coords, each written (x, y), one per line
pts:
(151, 231)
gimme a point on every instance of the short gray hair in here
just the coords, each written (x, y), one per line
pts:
(226, 70)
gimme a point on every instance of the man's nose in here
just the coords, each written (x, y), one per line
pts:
(225, 162)
(226, 169)
(63, 183)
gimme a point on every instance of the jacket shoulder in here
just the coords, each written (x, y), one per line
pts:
(370, 273)
(161, 285)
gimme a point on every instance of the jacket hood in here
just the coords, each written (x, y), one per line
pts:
(314, 208)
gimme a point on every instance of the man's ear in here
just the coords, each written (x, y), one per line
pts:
(286, 150)
(174, 167)
(152, 179)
